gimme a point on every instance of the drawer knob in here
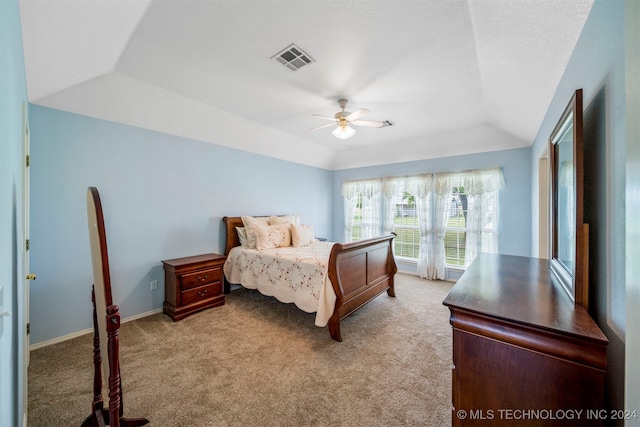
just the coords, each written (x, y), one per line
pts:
(202, 293)
(202, 279)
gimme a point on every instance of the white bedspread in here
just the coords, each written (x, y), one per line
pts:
(297, 275)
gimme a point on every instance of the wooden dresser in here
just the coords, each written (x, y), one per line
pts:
(192, 283)
(523, 353)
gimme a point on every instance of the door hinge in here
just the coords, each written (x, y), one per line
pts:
(28, 328)
(27, 244)
(28, 160)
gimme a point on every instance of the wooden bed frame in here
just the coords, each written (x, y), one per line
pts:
(359, 271)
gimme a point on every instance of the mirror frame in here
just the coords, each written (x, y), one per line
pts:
(101, 275)
(574, 282)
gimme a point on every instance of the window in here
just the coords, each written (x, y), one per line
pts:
(365, 218)
(466, 215)
(405, 224)
(440, 220)
(456, 228)
(459, 228)
(356, 230)
(362, 209)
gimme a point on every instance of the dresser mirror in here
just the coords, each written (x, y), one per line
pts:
(569, 240)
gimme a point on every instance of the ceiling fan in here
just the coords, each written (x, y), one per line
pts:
(342, 120)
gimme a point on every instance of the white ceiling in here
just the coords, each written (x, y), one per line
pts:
(455, 76)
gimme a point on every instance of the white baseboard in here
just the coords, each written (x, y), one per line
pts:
(454, 273)
(88, 331)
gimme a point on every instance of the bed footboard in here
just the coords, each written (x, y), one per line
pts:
(359, 272)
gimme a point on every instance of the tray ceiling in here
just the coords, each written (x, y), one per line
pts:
(455, 77)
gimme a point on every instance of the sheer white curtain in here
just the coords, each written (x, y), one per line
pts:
(420, 187)
(434, 198)
(350, 194)
(434, 267)
(391, 187)
(482, 188)
(368, 192)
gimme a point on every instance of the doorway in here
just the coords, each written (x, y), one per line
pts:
(543, 205)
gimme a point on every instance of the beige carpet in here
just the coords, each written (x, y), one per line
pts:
(256, 361)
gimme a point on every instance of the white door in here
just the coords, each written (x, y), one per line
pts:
(25, 254)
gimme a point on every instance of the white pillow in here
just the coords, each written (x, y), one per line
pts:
(249, 223)
(302, 235)
(272, 236)
(242, 236)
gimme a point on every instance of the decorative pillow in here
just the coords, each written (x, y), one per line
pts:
(272, 236)
(302, 235)
(242, 236)
(284, 219)
(249, 223)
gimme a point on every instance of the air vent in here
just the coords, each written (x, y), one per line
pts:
(387, 123)
(293, 57)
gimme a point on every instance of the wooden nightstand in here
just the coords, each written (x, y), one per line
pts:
(192, 283)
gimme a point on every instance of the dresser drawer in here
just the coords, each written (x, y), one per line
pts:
(201, 293)
(201, 278)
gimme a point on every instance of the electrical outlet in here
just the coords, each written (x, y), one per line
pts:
(154, 285)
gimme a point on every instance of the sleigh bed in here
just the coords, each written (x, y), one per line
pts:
(351, 276)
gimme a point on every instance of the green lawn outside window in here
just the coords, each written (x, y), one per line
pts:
(407, 242)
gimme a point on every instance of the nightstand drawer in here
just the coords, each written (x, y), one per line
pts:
(192, 283)
(200, 278)
(201, 293)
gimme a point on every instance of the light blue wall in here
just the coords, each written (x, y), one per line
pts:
(515, 201)
(13, 92)
(163, 197)
(597, 66)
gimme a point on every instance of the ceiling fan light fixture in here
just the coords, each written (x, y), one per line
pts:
(343, 131)
(342, 119)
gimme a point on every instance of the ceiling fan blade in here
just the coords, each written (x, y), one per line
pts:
(367, 123)
(323, 117)
(357, 114)
(323, 126)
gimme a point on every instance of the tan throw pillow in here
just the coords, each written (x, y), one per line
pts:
(242, 236)
(249, 223)
(272, 236)
(285, 219)
(275, 220)
(302, 235)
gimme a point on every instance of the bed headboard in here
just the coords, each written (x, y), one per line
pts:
(232, 234)
(232, 240)
(231, 223)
